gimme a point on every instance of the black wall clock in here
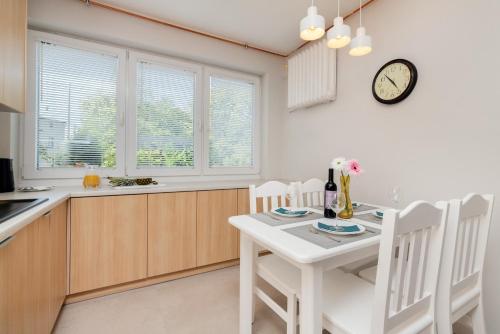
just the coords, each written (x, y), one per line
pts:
(394, 81)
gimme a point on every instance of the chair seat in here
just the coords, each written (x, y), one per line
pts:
(369, 274)
(347, 303)
(285, 277)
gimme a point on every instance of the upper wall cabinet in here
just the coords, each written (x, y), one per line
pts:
(13, 26)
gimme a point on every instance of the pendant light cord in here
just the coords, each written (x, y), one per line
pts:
(360, 10)
(338, 8)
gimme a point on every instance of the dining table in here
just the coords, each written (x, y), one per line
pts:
(296, 241)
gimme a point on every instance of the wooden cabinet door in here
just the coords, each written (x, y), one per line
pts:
(108, 241)
(58, 258)
(13, 27)
(217, 240)
(171, 232)
(17, 285)
(41, 274)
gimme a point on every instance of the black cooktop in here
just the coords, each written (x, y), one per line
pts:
(13, 207)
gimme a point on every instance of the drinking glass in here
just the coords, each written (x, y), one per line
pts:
(338, 204)
(395, 196)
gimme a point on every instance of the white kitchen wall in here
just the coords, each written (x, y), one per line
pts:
(441, 142)
(74, 17)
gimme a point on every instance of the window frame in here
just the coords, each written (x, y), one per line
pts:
(30, 170)
(131, 155)
(126, 132)
(256, 81)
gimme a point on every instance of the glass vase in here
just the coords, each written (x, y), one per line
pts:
(347, 213)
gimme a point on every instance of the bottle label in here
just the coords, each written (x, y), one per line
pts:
(330, 199)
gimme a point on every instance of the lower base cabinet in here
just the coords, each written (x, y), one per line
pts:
(171, 232)
(108, 241)
(33, 275)
(217, 240)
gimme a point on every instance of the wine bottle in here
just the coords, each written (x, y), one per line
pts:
(330, 195)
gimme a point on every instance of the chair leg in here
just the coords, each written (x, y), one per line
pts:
(477, 316)
(253, 308)
(291, 310)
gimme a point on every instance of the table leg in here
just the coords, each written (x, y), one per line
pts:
(311, 309)
(247, 283)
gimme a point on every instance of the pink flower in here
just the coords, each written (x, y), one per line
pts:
(353, 167)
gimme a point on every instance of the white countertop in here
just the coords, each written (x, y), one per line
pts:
(60, 194)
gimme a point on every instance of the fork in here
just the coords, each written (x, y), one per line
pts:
(315, 231)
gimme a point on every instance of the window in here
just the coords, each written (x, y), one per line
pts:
(231, 123)
(163, 116)
(75, 90)
(179, 119)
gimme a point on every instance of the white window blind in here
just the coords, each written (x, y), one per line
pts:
(165, 98)
(231, 117)
(76, 107)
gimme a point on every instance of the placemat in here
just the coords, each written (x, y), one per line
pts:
(326, 240)
(275, 220)
(364, 207)
(369, 217)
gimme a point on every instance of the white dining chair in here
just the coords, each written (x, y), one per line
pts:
(281, 275)
(404, 296)
(310, 193)
(460, 284)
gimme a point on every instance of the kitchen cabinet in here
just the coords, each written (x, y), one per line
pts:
(244, 202)
(108, 241)
(32, 287)
(13, 27)
(18, 301)
(59, 262)
(171, 232)
(217, 240)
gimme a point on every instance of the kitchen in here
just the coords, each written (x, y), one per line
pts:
(78, 250)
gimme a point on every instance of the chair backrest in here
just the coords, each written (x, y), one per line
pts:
(310, 193)
(464, 250)
(408, 268)
(273, 194)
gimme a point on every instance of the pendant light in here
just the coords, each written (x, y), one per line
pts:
(340, 34)
(361, 44)
(312, 26)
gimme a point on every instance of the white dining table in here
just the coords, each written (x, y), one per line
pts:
(311, 259)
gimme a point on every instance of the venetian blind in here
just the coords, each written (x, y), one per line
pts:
(76, 107)
(165, 116)
(231, 118)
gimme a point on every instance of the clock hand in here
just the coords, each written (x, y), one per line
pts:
(392, 81)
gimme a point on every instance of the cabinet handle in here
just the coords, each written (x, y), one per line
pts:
(6, 241)
(48, 214)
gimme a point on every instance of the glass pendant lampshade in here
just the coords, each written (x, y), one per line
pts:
(339, 35)
(312, 26)
(361, 44)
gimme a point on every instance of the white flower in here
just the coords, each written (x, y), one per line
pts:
(339, 163)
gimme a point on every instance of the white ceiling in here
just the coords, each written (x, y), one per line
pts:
(269, 24)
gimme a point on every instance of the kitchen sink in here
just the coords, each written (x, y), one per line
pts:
(13, 207)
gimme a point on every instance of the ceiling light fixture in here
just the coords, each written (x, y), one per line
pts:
(312, 26)
(361, 44)
(340, 34)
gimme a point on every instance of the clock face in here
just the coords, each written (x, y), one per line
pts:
(394, 81)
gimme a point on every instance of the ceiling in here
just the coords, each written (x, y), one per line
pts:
(269, 24)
